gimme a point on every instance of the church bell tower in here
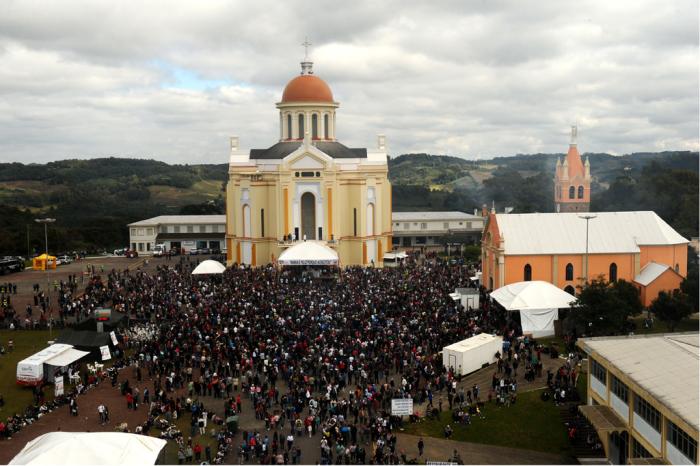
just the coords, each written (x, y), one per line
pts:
(572, 180)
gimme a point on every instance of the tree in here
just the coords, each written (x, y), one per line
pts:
(691, 284)
(603, 308)
(671, 308)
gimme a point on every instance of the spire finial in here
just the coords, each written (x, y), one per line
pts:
(306, 65)
(574, 134)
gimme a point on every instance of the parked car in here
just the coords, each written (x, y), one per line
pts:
(204, 251)
(120, 251)
(130, 254)
(194, 252)
(64, 260)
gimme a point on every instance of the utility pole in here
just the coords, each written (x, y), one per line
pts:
(46, 221)
(586, 218)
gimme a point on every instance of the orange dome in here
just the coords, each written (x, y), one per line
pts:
(307, 88)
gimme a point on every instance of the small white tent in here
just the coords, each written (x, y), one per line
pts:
(209, 267)
(78, 448)
(309, 253)
(538, 302)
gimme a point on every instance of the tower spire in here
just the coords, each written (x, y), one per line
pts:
(306, 65)
(574, 134)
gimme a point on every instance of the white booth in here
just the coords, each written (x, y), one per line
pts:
(44, 364)
(471, 354)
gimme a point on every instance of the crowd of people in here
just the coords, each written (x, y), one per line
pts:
(314, 357)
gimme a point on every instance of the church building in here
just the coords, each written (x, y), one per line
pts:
(308, 186)
(572, 181)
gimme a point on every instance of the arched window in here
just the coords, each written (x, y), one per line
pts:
(301, 127)
(580, 192)
(528, 273)
(572, 192)
(613, 272)
(325, 126)
(570, 289)
(314, 126)
(289, 126)
(569, 272)
(677, 269)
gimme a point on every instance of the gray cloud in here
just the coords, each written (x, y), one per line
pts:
(173, 79)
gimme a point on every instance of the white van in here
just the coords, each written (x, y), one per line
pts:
(159, 250)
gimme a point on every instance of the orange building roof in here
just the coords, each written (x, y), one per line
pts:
(573, 159)
(307, 88)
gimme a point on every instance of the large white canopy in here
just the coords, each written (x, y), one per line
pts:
(309, 253)
(83, 448)
(209, 267)
(538, 302)
(532, 295)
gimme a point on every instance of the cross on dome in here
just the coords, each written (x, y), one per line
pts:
(306, 65)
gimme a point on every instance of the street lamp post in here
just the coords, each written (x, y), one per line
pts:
(46, 221)
(586, 218)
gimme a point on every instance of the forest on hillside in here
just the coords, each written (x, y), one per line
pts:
(93, 200)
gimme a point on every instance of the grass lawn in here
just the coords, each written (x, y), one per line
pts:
(529, 424)
(687, 325)
(170, 451)
(27, 342)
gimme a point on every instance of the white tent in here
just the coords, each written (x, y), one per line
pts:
(209, 267)
(78, 448)
(309, 253)
(31, 371)
(538, 302)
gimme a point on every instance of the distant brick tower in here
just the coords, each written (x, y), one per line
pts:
(572, 181)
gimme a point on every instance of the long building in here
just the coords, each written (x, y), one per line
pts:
(184, 232)
(567, 250)
(643, 393)
(435, 229)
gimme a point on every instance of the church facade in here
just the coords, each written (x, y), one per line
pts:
(308, 186)
(572, 180)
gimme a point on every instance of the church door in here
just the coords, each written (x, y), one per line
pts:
(308, 216)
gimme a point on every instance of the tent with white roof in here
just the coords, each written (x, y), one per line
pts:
(538, 302)
(79, 448)
(309, 253)
(209, 267)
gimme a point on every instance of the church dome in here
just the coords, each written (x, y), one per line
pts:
(307, 88)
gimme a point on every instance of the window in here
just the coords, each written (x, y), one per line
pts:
(354, 222)
(420, 239)
(149, 231)
(162, 229)
(148, 246)
(527, 273)
(190, 228)
(677, 269)
(647, 412)
(289, 126)
(638, 450)
(569, 272)
(613, 272)
(307, 174)
(598, 371)
(570, 289)
(177, 228)
(314, 126)
(424, 226)
(580, 192)
(262, 222)
(406, 226)
(201, 228)
(133, 232)
(140, 247)
(619, 389)
(446, 225)
(301, 126)
(397, 224)
(682, 441)
(325, 126)
(572, 192)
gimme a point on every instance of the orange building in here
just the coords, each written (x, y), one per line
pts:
(635, 246)
(572, 180)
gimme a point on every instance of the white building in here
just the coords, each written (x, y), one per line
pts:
(434, 229)
(185, 232)
(643, 393)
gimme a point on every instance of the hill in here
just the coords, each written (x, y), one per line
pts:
(94, 199)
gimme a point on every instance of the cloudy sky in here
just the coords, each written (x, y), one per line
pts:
(172, 80)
